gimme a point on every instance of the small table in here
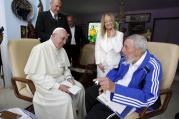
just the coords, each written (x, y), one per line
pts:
(16, 113)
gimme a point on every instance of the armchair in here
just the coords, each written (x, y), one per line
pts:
(19, 51)
(168, 54)
(86, 69)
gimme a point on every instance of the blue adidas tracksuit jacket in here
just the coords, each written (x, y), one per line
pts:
(143, 90)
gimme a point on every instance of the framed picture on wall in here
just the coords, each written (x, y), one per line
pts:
(142, 17)
(93, 31)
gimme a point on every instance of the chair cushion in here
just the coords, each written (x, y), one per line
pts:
(26, 92)
(134, 115)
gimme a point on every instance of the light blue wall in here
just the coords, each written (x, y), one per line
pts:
(11, 26)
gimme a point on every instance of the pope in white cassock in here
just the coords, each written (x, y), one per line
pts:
(47, 67)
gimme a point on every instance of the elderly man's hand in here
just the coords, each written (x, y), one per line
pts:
(106, 84)
(64, 88)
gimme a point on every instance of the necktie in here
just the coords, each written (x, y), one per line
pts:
(56, 16)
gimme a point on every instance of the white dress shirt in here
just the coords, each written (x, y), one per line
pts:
(73, 42)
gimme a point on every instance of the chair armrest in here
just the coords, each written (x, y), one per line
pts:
(77, 70)
(26, 81)
(79, 66)
(165, 91)
(168, 93)
(145, 114)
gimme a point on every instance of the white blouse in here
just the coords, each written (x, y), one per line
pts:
(107, 50)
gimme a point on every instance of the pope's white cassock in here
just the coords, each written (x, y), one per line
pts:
(48, 66)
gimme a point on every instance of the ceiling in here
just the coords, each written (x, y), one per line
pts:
(98, 6)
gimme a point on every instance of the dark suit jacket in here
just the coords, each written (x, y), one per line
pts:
(80, 38)
(45, 25)
(73, 51)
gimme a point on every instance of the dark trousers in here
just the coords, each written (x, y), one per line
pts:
(95, 109)
(177, 115)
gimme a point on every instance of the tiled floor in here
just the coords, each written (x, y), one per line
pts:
(173, 107)
(8, 100)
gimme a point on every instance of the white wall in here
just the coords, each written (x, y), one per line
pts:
(11, 26)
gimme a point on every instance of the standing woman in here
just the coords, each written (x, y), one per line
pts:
(108, 45)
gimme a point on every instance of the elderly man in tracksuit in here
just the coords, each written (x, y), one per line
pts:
(133, 85)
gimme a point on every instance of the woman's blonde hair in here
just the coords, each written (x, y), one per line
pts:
(103, 29)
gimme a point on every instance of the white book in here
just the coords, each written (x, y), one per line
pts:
(105, 99)
(74, 89)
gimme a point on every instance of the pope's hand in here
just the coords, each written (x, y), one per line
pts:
(64, 88)
(72, 80)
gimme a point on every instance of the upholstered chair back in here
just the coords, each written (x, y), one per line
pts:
(87, 55)
(168, 54)
(19, 51)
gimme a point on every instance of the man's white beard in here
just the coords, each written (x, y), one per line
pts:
(130, 60)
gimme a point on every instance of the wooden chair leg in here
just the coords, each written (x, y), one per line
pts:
(2, 74)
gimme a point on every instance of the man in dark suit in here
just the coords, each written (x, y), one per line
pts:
(77, 41)
(49, 20)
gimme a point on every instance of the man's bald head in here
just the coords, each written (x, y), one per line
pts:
(70, 20)
(55, 6)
